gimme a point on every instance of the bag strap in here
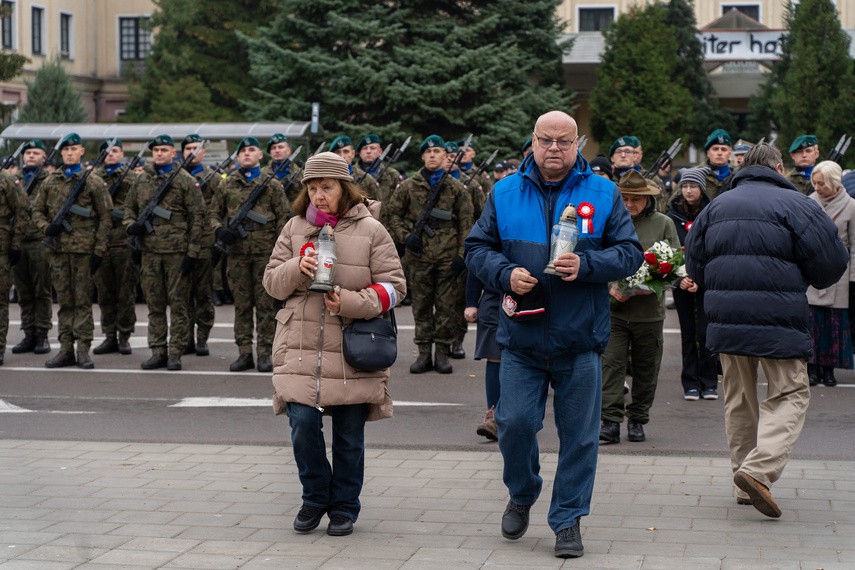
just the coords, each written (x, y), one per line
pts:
(391, 312)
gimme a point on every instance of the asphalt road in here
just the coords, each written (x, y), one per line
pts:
(205, 403)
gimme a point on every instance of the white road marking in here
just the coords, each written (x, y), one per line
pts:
(259, 402)
(7, 408)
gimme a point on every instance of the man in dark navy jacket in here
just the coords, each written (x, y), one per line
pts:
(553, 329)
(755, 250)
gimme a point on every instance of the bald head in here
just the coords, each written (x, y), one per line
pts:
(554, 145)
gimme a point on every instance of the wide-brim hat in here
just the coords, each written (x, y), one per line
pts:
(326, 165)
(634, 184)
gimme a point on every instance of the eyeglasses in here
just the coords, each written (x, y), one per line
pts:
(623, 152)
(562, 144)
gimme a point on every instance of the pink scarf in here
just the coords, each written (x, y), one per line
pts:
(318, 218)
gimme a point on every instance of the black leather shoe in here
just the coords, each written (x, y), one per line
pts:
(156, 361)
(218, 298)
(457, 350)
(813, 374)
(125, 343)
(28, 344)
(83, 360)
(828, 376)
(110, 344)
(407, 300)
(202, 347)
(244, 362)
(173, 362)
(609, 432)
(634, 431)
(441, 363)
(63, 358)
(42, 344)
(308, 518)
(339, 525)
(515, 520)
(190, 348)
(422, 364)
(568, 542)
(228, 298)
(265, 364)
(1, 360)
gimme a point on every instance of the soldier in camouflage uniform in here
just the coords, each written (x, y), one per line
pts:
(32, 273)
(468, 178)
(14, 217)
(78, 254)
(117, 278)
(432, 275)
(805, 152)
(343, 147)
(279, 150)
(200, 304)
(248, 257)
(718, 147)
(369, 149)
(169, 254)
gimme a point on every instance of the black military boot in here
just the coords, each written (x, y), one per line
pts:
(125, 343)
(218, 298)
(202, 347)
(42, 344)
(422, 364)
(634, 431)
(63, 358)
(609, 432)
(1, 359)
(83, 360)
(813, 374)
(441, 363)
(191, 346)
(173, 362)
(28, 344)
(457, 350)
(828, 376)
(110, 344)
(244, 362)
(157, 360)
(265, 364)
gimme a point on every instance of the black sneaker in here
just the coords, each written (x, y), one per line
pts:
(339, 525)
(634, 431)
(308, 518)
(609, 432)
(515, 520)
(568, 542)
(692, 395)
(710, 394)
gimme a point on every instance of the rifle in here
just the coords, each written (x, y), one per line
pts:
(431, 201)
(375, 163)
(12, 159)
(220, 168)
(118, 183)
(32, 183)
(838, 151)
(245, 211)
(664, 158)
(152, 207)
(583, 140)
(483, 167)
(320, 148)
(394, 158)
(69, 206)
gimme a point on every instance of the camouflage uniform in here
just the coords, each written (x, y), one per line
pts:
(294, 189)
(714, 186)
(70, 262)
(803, 184)
(248, 257)
(431, 275)
(118, 275)
(32, 273)
(478, 187)
(163, 252)
(368, 185)
(14, 216)
(390, 180)
(201, 301)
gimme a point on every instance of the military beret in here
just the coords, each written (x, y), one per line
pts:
(462, 142)
(276, 139)
(451, 146)
(718, 136)
(35, 143)
(248, 141)
(624, 141)
(70, 140)
(526, 144)
(340, 142)
(430, 142)
(367, 139)
(103, 146)
(162, 140)
(803, 141)
(190, 139)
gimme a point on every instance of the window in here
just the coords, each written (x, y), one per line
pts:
(134, 40)
(8, 25)
(38, 31)
(65, 36)
(750, 10)
(595, 19)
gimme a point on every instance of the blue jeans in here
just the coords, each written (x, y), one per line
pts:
(576, 381)
(334, 488)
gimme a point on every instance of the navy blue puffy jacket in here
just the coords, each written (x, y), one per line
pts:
(755, 250)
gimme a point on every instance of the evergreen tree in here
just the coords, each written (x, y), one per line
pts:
(636, 93)
(414, 67)
(51, 98)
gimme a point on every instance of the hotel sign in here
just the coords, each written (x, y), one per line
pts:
(746, 45)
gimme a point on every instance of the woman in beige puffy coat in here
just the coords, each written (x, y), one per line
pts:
(310, 375)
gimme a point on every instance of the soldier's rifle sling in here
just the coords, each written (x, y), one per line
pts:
(394, 158)
(35, 177)
(374, 163)
(11, 159)
(134, 163)
(482, 168)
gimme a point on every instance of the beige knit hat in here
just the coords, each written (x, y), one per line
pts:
(326, 165)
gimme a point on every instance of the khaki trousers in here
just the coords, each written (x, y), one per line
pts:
(761, 434)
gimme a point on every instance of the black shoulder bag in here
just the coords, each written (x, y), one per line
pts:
(370, 345)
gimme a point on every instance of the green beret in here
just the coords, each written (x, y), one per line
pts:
(70, 140)
(162, 140)
(803, 141)
(340, 142)
(451, 146)
(624, 141)
(103, 146)
(462, 142)
(276, 139)
(367, 139)
(190, 139)
(35, 143)
(526, 144)
(431, 142)
(718, 136)
(248, 141)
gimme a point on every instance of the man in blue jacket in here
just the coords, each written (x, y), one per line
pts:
(755, 250)
(553, 329)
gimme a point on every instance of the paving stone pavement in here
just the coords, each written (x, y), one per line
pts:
(111, 506)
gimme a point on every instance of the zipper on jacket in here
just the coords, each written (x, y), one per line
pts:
(320, 355)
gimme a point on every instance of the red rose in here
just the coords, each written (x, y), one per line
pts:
(650, 258)
(664, 268)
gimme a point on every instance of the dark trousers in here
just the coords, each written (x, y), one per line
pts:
(642, 342)
(699, 365)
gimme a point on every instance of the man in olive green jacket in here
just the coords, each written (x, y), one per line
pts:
(14, 214)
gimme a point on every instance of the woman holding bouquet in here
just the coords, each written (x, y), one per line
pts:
(700, 373)
(636, 322)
